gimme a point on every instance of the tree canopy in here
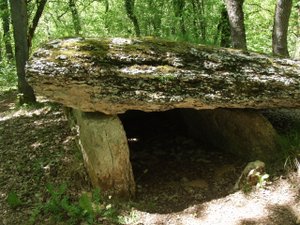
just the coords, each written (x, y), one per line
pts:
(260, 25)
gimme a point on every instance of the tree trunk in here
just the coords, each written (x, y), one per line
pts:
(155, 22)
(297, 50)
(19, 21)
(129, 6)
(179, 9)
(5, 16)
(75, 17)
(202, 21)
(199, 20)
(280, 28)
(35, 21)
(237, 26)
(1, 58)
(106, 2)
(223, 29)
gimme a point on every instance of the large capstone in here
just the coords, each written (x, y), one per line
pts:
(116, 75)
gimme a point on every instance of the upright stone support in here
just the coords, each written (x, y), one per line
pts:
(103, 143)
(245, 133)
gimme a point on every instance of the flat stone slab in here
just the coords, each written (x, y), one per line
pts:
(116, 75)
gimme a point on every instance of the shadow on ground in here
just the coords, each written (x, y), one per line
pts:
(172, 170)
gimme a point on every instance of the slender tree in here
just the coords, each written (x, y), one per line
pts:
(223, 29)
(40, 8)
(0, 51)
(5, 16)
(75, 17)
(236, 20)
(297, 48)
(200, 25)
(129, 6)
(19, 21)
(280, 28)
(178, 6)
(155, 12)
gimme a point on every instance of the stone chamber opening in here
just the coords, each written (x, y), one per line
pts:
(172, 168)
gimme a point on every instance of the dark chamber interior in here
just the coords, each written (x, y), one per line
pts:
(147, 125)
(171, 169)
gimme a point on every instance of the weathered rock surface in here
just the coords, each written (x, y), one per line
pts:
(245, 133)
(114, 75)
(104, 147)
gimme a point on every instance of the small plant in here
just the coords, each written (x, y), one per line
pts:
(262, 180)
(129, 219)
(13, 200)
(88, 208)
(255, 178)
(290, 145)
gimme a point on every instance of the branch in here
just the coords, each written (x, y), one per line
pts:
(35, 21)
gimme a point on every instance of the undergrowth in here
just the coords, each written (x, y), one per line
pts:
(8, 76)
(290, 146)
(61, 207)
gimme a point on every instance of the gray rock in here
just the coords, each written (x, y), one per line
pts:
(116, 75)
(103, 143)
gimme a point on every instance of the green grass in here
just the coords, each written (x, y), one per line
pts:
(13, 200)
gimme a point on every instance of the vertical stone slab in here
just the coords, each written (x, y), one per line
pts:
(103, 143)
(242, 132)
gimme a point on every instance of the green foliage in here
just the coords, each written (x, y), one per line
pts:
(192, 21)
(13, 200)
(60, 207)
(8, 77)
(290, 146)
(262, 179)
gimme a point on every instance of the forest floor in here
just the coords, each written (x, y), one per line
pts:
(178, 182)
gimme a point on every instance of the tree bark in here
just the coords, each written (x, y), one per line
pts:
(237, 26)
(202, 21)
(115, 75)
(129, 6)
(19, 21)
(199, 20)
(178, 6)
(5, 16)
(155, 22)
(280, 28)
(1, 58)
(223, 29)
(35, 21)
(297, 50)
(75, 17)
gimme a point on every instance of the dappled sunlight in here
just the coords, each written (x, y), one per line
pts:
(36, 148)
(24, 112)
(36, 145)
(178, 182)
(236, 209)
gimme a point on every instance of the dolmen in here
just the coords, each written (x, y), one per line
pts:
(218, 91)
